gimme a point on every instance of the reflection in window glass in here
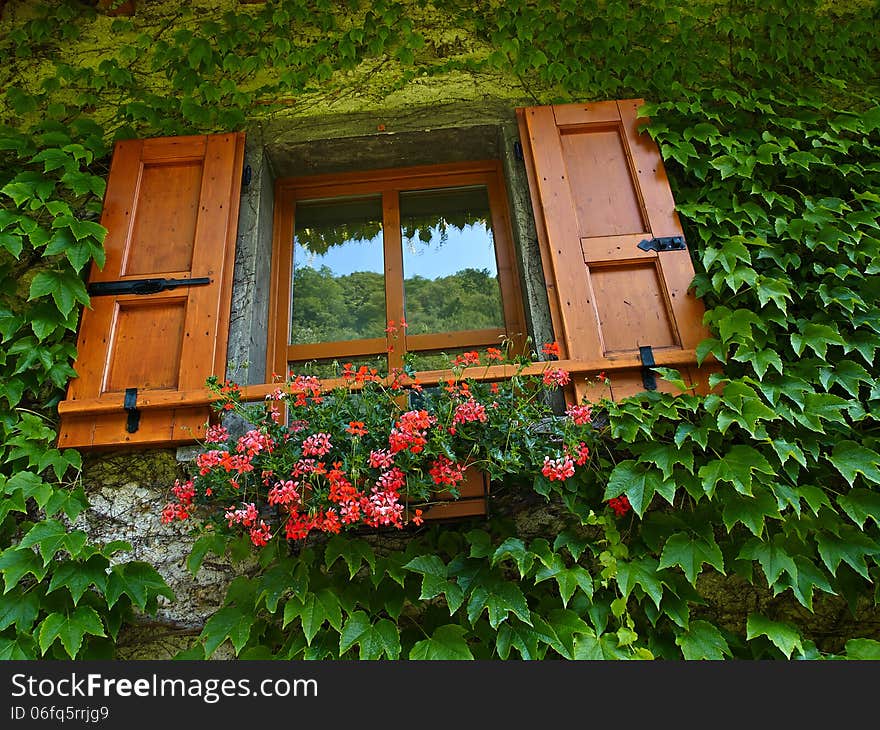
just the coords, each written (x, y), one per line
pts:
(334, 368)
(338, 288)
(449, 266)
(441, 360)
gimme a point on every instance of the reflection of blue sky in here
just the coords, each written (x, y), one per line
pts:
(470, 248)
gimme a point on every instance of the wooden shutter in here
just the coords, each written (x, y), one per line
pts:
(171, 210)
(599, 189)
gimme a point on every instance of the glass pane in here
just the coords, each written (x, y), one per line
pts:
(338, 290)
(449, 265)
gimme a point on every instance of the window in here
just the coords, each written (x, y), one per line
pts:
(352, 252)
(609, 274)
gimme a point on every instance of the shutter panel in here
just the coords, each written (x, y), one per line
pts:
(599, 188)
(171, 210)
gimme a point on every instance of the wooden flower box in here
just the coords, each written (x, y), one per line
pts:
(473, 502)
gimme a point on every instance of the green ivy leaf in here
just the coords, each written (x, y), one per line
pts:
(230, 622)
(863, 649)
(354, 552)
(50, 536)
(480, 542)
(851, 546)
(817, 337)
(20, 609)
(575, 544)
(21, 647)
(850, 458)
(278, 580)
(691, 552)
(666, 456)
(735, 467)
(12, 242)
(54, 159)
(446, 643)
(750, 511)
(315, 610)
(70, 629)
(83, 183)
(861, 505)
(643, 572)
(373, 641)
(30, 486)
(500, 598)
(513, 548)
(702, 640)
(13, 503)
(77, 576)
(525, 639)
(809, 578)
(589, 647)
(637, 481)
(137, 580)
(783, 636)
(210, 543)
(772, 556)
(433, 571)
(568, 579)
(850, 375)
(16, 563)
(65, 287)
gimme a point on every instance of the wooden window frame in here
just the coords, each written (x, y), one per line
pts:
(389, 183)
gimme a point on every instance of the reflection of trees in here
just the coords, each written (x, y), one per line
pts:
(468, 299)
(352, 306)
(318, 239)
(432, 228)
(327, 307)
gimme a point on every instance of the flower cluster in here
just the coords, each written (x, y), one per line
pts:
(367, 455)
(620, 505)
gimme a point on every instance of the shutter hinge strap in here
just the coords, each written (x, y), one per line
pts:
(142, 286)
(130, 405)
(646, 355)
(665, 243)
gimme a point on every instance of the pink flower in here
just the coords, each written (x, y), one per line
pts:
(284, 493)
(261, 535)
(579, 414)
(381, 459)
(317, 444)
(246, 516)
(468, 411)
(558, 469)
(445, 471)
(556, 377)
(185, 492)
(172, 511)
(391, 481)
(216, 434)
(253, 442)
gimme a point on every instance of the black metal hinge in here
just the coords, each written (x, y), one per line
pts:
(666, 243)
(130, 405)
(141, 286)
(646, 355)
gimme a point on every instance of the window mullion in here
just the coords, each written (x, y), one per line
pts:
(393, 274)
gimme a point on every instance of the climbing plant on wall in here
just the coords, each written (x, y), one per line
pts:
(767, 117)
